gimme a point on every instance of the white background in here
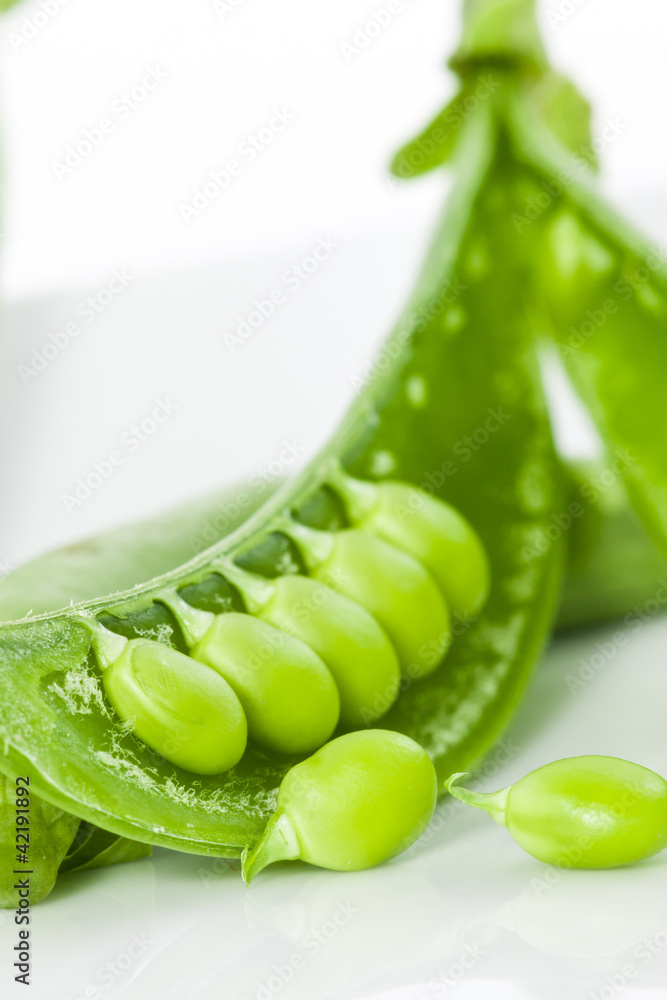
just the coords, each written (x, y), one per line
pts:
(226, 72)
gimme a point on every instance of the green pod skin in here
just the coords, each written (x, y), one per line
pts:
(178, 707)
(397, 590)
(358, 801)
(430, 530)
(48, 835)
(289, 697)
(353, 645)
(581, 812)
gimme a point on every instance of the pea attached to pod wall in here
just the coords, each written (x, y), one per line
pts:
(352, 644)
(580, 812)
(358, 801)
(288, 695)
(391, 584)
(426, 527)
(180, 708)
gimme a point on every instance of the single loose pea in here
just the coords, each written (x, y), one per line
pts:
(289, 696)
(186, 712)
(426, 527)
(581, 812)
(358, 801)
(391, 584)
(349, 640)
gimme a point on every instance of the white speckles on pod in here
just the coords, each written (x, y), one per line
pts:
(532, 488)
(573, 248)
(650, 299)
(382, 462)
(455, 319)
(416, 391)
(477, 262)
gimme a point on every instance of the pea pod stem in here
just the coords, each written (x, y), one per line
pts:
(107, 645)
(194, 622)
(494, 803)
(359, 497)
(255, 590)
(315, 546)
(279, 842)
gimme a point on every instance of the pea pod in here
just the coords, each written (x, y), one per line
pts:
(459, 367)
(34, 838)
(96, 848)
(581, 812)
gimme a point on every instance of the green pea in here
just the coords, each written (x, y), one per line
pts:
(429, 529)
(178, 707)
(581, 812)
(398, 591)
(289, 697)
(353, 645)
(358, 801)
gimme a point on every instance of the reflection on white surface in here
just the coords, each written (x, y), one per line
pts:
(466, 913)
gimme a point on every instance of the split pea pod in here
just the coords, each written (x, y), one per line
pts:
(289, 697)
(425, 526)
(390, 583)
(580, 812)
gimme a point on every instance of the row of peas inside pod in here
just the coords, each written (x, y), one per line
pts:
(313, 651)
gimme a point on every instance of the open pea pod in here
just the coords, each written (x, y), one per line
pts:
(456, 406)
